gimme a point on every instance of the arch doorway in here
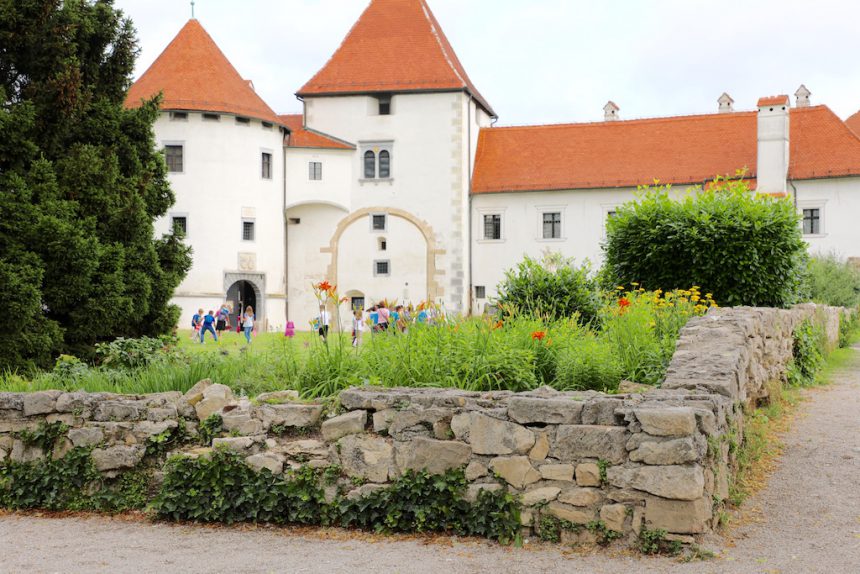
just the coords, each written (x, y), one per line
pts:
(240, 295)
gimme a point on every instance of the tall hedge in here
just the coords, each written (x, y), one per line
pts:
(745, 248)
(81, 183)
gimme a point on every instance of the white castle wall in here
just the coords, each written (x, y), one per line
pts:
(222, 184)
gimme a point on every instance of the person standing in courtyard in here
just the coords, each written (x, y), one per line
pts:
(357, 327)
(222, 322)
(248, 323)
(384, 315)
(208, 325)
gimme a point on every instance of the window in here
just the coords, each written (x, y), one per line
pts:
(480, 292)
(383, 244)
(369, 165)
(384, 164)
(173, 155)
(179, 116)
(315, 170)
(267, 165)
(179, 224)
(493, 226)
(812, 221)
(381, 268)
(247, 230)
(377, 160)
(295, 221)
(378, 222)
(243, 121)
(384, 105)
(552, 225)
(267, 125)
(212, 117)
(357, 303)
(610, 214)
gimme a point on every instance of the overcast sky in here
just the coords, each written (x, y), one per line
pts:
(553, 61)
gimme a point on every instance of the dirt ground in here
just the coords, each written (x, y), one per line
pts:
(806, 520)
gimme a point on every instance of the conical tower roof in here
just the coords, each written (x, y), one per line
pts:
(195, 75)
(396, 46)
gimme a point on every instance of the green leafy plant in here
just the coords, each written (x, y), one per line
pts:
(44, 436)
(122, 353)
(808, 353)
(654, 542)
(549, 527)
(209, 428)
(51, 484)
(833, 281)
(159, 444)
(603, 535)
(552, 288)
(746, 248)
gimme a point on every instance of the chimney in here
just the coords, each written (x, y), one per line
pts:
(726, 102)
(773, 144)
(802, 94)
(610, 111)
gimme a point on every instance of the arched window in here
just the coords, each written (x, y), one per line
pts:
(369, 165)
(384, 164)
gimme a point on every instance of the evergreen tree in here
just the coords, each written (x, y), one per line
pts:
(81, 184)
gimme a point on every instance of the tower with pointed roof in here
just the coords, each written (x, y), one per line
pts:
(224, 151)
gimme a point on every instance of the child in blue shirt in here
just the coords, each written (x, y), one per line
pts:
(208, 325)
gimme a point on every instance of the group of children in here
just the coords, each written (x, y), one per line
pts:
(381, 318)
(217, 323)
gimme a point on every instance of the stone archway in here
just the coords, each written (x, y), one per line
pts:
(434, 287)
(258, 283)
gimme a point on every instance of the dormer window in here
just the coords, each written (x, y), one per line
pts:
(384, 105)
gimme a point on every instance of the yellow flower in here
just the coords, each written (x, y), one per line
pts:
(695, 298)
(635, 284)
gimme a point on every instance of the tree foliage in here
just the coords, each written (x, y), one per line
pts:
(745, 248)
(80, 186)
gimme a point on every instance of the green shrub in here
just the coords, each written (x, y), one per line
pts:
(47, 483)
(832, 281)
(550, 288)
(808, 353)
(849, 325)
(122, 353)
(746, 248)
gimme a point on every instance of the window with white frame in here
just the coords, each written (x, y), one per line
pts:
(315, 170)
(381, 268)
(378, 222)
(173, 155)
(266, 165)
(179, 224)
(480, 292)
(812, 221)
(248, 230)
(384, 105)
(492, 226)
(551, 221)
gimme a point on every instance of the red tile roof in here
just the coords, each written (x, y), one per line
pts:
(303, 137)
(674, 150)
(396, 46)
(773, 101)
(195, 75)
(854, 123)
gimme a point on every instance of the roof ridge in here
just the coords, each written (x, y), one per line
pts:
(425, 9)
(628, 121)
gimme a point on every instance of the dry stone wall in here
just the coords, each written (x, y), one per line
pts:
(657, 460)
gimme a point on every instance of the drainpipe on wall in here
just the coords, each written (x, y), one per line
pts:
(286, 233)
(794, 193)
(469, 203)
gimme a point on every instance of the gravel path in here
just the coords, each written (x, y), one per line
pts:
(807, 520)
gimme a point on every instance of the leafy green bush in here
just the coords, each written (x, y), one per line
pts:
(222, 488)
(745, 247)
(808, 353)
(654, 542)
(832, 281)
(551, 288)
(122, 353)
(47, 484)
(849, 325)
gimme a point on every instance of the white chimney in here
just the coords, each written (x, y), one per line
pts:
(726, 102)
(610, 111)
(802, 94)
(773, 144)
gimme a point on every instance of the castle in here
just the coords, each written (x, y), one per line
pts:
(394, 184)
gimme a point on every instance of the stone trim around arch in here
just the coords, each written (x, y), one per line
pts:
(434, 286)
(258, 282)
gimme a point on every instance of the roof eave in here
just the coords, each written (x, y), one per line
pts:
(302, 94)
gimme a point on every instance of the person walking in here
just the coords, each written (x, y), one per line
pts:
(196, 320)
(357, 327)
(384, 315)
(324, 321)
(223, 320)
(248, 323)
(208, 325)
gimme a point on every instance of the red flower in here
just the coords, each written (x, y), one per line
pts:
(538, 335)
(324, 286)
(624, 302)
(498, 325)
